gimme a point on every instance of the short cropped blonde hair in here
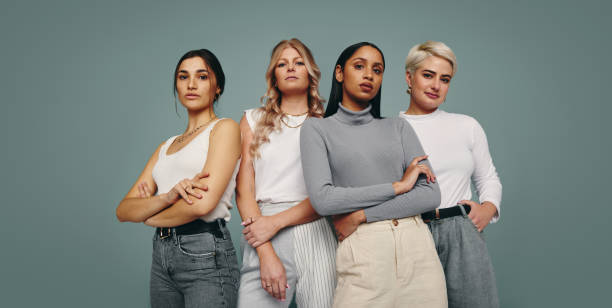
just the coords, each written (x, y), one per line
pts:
(420, 52)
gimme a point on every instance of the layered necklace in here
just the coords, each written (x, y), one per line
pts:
(181, 138)
(295, 115)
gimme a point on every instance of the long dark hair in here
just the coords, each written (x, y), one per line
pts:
(335, 95)
(213, 63)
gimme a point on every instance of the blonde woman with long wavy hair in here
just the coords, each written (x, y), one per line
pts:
(287, 246)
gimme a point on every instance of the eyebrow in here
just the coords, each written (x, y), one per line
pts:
(198, 71)
(364, 59)
(433, 72)
(285, 59)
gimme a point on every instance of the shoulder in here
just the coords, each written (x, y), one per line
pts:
(458, 118)
(253, 115)
(315, 123)
(225, 127)
(397, 123)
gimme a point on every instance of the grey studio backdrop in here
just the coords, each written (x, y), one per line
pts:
(86, 98)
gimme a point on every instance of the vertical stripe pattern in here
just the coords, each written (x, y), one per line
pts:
(315, 259)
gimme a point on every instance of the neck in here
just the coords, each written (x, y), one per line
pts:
(199, 117)
(351, 104)
(415, 109)
(294, 103)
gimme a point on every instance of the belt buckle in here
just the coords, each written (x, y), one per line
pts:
(437, 214)
(163, 235)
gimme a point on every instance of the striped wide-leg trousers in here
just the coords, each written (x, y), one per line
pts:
(308, 252)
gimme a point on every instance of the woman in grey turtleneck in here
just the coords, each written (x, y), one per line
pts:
(373, 175)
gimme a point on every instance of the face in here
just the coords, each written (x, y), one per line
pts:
(430, 83)
(362, 74)
(195, 84)
(291, 73)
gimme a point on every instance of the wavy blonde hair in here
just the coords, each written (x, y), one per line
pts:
(270, 119)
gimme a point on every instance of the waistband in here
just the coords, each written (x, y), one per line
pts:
(437, 214)
(390, 224)
(195, 227)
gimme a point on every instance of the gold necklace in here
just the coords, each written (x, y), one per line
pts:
(295, 115)
(180, 138)
(287, 124)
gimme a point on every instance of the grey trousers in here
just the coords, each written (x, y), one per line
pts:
(198, 270)
(308, 253)
(470, 280)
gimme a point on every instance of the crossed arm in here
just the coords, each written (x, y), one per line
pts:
(173, 209)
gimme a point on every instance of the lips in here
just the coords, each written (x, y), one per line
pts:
(431, 95)
(192, 96)
(366, 87)
(291, 78)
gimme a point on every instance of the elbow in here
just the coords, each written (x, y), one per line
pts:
(121, 216)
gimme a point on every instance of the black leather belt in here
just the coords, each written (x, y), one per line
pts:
(445, 213)
(194, 227)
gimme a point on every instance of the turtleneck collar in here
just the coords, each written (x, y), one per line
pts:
(354, 117)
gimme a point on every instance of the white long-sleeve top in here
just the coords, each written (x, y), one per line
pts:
(459, 153)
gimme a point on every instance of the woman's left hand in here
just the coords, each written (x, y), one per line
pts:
(346, 224)
(480, 214)
(144, 191)
(259, 230)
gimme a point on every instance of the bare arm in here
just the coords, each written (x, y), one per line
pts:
(272, 271)
(223, 153)
(133, 208)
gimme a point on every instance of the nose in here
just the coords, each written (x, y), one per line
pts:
(435, 84)
(291, 67)
(367, 74)
(192, 84)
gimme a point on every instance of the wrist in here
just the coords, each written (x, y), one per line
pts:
(399, 188)
(164, 198)
(277, 222)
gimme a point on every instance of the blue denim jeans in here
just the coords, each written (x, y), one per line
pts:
(197, 270)
(470, 280)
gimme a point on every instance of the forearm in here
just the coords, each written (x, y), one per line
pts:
(422, 198)
(139, 209)
(331, 200)
(178, 214)
(302, 213)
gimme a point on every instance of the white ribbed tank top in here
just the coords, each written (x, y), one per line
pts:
(278, 171)
(186, 163)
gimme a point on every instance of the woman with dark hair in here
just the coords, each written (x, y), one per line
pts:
(459, 153)
(287, 247)
(374, 172)
(194, 261)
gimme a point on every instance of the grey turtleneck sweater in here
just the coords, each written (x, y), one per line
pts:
(351, 159)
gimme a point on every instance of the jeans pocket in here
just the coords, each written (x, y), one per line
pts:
(197, 245)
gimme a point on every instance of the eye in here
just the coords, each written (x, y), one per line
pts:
(299, 63)
(358, 66)
(280, 65)
(445, 80)
(427, 75)
(182, 77)
(377, 71)
(203, 77)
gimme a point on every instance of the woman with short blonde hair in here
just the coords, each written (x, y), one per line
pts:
(459, 154)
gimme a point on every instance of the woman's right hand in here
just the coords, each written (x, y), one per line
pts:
(411, 175)
(185, 188)
(273, 277)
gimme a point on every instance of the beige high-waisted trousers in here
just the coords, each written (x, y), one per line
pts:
(390, 263)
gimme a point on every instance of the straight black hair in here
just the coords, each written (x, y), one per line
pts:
(213, 63)
(335, 95)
